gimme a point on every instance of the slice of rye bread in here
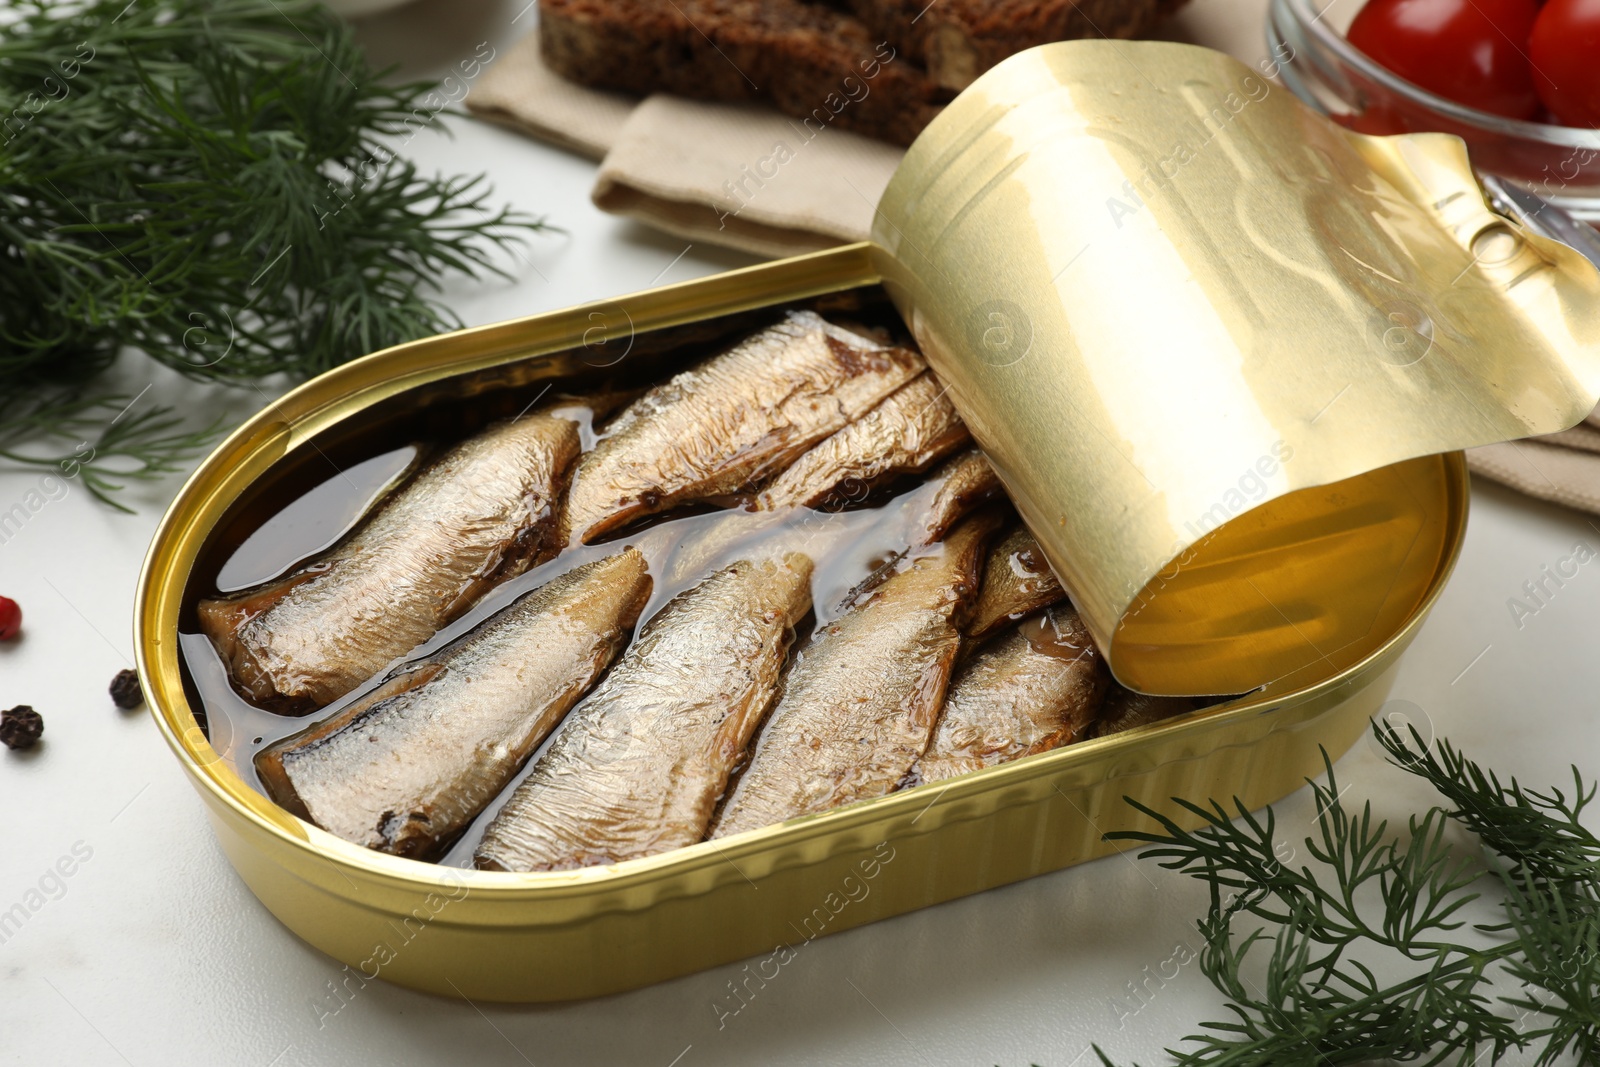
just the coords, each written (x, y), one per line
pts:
(957, 40)
(814, 62)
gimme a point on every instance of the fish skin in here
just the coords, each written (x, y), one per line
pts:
(407, 767)
(733, 421)
(912, 428)
(640, 763)
(958, 486)
(1017, 581)
(1037, 687)
(1125, 709)
(484, 511)
(860, 702)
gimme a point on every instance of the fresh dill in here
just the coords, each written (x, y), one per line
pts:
(210, 183)
(1366, 955)
(100, 440)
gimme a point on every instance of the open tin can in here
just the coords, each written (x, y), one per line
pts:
(596, 930)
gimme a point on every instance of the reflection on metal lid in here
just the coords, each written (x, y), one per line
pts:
(1169, 298)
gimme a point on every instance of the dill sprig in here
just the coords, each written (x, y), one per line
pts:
(104, 441)
(1364, 955)
(1549, 865)
(210, 182)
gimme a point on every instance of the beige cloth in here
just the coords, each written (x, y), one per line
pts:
(748, 177)
(521, 92)
(742, 175)
(1563, 468)
(745, 175)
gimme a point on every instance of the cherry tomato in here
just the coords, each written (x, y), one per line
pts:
(1469, 51)
(1565, 51)
(10, 618)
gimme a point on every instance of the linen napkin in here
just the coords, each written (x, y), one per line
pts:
(745, 175)
(1563, 468)
(736, 174)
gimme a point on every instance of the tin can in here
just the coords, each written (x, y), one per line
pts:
(573, 934)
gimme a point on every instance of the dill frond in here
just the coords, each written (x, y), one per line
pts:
(1298, 951)
(208, 182)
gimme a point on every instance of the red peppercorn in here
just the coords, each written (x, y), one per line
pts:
(10, 618)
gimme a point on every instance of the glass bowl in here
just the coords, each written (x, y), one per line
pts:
(1559, 163)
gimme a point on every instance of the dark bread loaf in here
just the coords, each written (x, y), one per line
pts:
(814, 62)
(957, 40)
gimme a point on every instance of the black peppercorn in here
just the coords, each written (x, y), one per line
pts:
(20, 727)
(125, 690)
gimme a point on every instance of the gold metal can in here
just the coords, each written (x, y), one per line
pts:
(574, 934)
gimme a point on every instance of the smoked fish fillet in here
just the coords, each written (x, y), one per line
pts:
(727, 425)
(407, 767)
(860, 702)
(1017, 581)
(1033, 689)
(908, 432)
(640, 764)
(484, 511)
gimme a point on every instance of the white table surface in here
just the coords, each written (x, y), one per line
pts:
(154, 952)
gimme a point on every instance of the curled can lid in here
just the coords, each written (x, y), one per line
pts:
(1210, 340)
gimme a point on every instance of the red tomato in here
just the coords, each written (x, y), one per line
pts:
(1469, 51)
(10, 618)
(1565, 51)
